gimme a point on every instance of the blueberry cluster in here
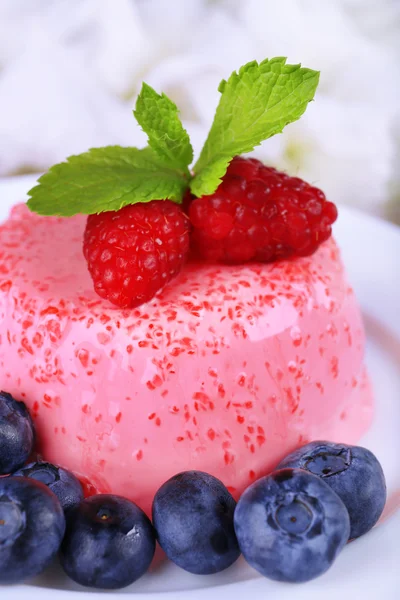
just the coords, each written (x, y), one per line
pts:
(289, 525)
(104, 541)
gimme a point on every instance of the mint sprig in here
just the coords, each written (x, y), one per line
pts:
(158, 117)
(105, 179)
(256, 102)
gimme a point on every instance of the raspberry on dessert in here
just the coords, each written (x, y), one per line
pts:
(258, 213)
(134, 252)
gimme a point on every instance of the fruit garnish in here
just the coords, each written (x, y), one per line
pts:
(291, 525)
(134, 252)
(353, 472)
(131, 255)
(256, 102)
(109, 543)
(258, 213)
(193, 516)
(17, 434)
(61, 482)
(32, 526)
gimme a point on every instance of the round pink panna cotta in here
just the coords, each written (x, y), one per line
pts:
(229, 369)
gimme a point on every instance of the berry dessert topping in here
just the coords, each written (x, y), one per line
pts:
(134, 252)
(354, 473)
(32, 526)
(109, 543)
(291, 525)
(17, 434)
(258, 213)
(240, 210)
(193, 517)
(62, 483)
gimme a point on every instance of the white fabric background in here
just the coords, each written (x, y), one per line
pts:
(70, 71)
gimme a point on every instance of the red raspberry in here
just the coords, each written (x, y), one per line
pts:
(260, 214)
(134, 252)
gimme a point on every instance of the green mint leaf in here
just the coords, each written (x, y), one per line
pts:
(255, 104)
(105, 179)
(158, 117)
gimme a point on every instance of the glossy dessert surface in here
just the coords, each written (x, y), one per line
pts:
(228, 370)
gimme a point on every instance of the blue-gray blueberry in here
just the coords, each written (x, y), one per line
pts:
(17, 434)
(64, 484)
(193, 517)
(32, 526)
(109, 543)
(354, 473)
(291, 525)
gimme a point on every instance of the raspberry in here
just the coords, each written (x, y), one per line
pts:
(260, 214)
(134, 252)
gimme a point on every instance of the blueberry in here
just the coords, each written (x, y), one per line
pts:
(109, 543)
(17, 434)
(32, 526)
(354, 473)
(62, 483)
(291, 525)
(193, 517)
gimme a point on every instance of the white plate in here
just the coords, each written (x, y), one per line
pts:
(367, 568)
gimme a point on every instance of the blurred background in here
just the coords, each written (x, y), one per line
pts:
(70, 71)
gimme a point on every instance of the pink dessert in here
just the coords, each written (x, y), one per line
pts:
(226, 371)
